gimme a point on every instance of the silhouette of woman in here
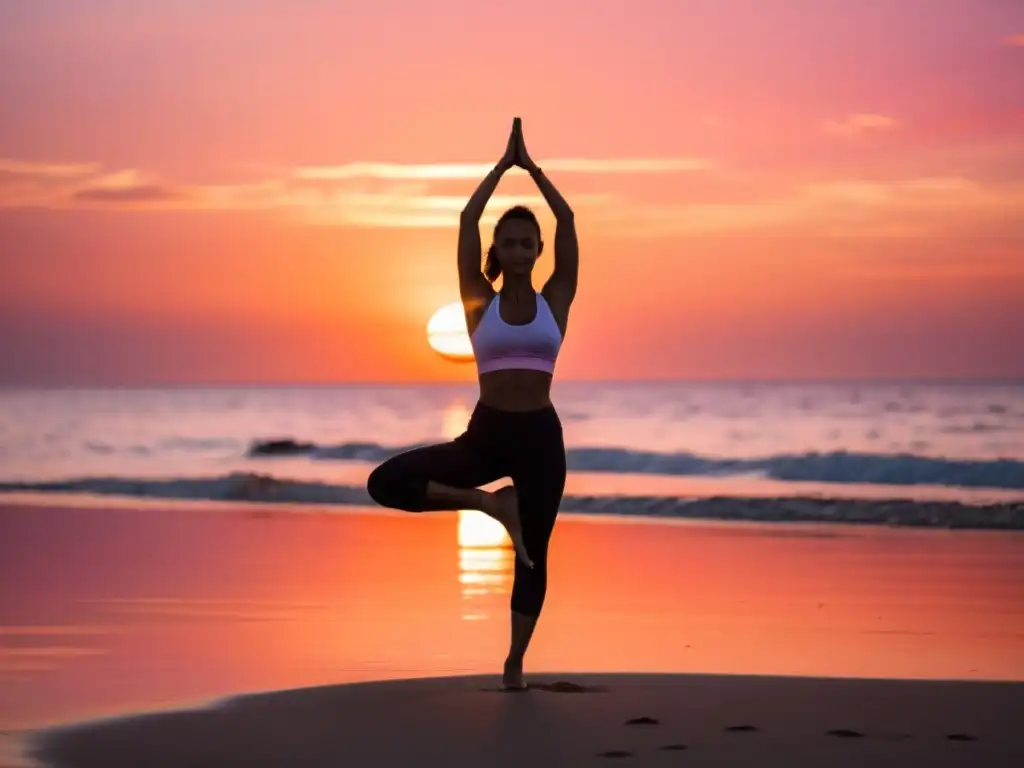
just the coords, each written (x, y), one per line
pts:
(514, 430)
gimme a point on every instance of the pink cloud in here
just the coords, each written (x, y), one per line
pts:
(147, 193)
(857, 124)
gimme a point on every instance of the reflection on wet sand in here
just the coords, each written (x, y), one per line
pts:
(186, 605)
(486, 564)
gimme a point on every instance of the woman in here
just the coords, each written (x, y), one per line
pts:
(514, 431)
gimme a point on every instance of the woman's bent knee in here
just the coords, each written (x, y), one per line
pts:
(385, 486)
(393, 489)
(377, 485)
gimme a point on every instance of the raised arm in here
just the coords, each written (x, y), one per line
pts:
(474, 287)
(560, 289)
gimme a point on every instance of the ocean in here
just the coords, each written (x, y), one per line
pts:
(648, 448)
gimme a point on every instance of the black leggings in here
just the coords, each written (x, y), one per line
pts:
(526, 447)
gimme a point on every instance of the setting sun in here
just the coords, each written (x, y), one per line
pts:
(448, 335)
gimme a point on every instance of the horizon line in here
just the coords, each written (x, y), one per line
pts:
(399, 383)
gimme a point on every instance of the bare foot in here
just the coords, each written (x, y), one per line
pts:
(512, 676)
(503, 506)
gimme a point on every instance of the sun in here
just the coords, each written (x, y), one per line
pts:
(447, 334)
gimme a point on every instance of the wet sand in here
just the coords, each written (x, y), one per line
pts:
(109, 611)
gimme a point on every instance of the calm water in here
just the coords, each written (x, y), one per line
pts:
(914, 440)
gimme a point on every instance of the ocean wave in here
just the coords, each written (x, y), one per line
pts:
(260, 488)
(831, 467)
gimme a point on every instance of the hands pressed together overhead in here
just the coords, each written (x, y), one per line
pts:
(515, 150)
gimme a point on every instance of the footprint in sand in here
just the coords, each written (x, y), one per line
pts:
(673, 747)
(740, 728)
(643, 721)
(563, 686)
(846, 733)
(960, 737)
(615, 753)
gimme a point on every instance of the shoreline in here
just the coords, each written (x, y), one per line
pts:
(260, 494)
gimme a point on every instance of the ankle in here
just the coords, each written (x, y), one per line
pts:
(512, 662)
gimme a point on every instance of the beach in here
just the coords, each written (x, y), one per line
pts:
(758, 268)
(907, 636)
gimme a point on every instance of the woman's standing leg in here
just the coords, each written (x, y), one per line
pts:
(539, 479)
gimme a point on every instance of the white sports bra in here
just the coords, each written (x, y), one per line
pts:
(498, 345)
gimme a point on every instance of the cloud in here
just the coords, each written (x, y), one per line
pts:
(409, 209)
(45, 170)
(903, 208)
(363, 204)
(47, 185)
(146, 193)
(31, 184)
(375, 195)
(456, 171)
(858, 124)
(126, 187)
(361, 194)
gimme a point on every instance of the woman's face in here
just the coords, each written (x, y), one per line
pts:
(517, 246)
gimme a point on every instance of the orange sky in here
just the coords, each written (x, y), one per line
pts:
(222, 191)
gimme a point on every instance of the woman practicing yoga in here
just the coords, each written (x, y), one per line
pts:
(514, 431)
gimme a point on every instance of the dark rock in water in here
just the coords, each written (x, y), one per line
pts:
(280, 447)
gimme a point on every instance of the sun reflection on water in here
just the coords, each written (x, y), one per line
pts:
(485, 574)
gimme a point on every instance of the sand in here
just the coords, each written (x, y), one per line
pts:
(693, 720)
